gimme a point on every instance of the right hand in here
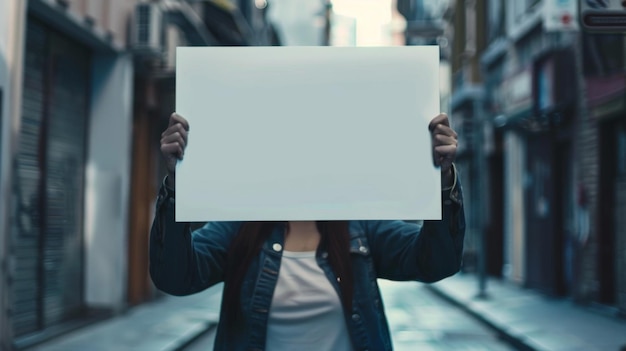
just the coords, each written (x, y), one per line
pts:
(173, 143)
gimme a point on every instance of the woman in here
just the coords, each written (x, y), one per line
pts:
(304, 285)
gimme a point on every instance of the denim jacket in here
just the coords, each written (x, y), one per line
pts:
(184, 262)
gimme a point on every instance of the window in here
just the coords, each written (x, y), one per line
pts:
(495, 19)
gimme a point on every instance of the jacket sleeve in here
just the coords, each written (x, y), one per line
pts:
(427, 253)
(184, 262)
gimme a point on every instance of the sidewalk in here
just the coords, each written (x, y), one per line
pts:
(533, 321)
(168, 324)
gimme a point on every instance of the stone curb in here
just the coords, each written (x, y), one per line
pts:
(518, 340)
(196, 332)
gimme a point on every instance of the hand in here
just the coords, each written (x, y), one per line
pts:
(444, 143)
(173, 143)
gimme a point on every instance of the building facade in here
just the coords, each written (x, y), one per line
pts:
(601, 198)
(542, 120)
(86, 87)
(65, 183)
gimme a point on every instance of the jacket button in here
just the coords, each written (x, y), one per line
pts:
(356, 317)
(363, 249)
(277, 247)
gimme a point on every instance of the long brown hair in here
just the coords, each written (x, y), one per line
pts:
(335, 239)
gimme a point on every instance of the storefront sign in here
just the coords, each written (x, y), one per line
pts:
(560, 15)
(602, 16)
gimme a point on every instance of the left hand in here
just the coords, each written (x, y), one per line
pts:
(444, 143)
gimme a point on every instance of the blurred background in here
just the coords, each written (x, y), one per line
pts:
(87, 86)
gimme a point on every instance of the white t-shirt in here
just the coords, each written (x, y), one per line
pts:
(306, 312)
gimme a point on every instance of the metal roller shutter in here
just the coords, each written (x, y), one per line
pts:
(25, 235)
(47, 236)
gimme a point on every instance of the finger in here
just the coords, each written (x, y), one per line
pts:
(178, 142)
(172, 138)
(442, 118)
(440, 139)
(445, 130)
(445, 151)
(172, 149)
(176, 128)
(176, 118)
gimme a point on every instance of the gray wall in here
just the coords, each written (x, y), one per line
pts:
(107, 181)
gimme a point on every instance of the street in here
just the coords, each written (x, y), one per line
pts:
(419, 320)
(502, 122)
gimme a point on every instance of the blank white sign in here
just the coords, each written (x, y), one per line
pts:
(307, 133)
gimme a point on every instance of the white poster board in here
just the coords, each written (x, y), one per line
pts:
(307, 133)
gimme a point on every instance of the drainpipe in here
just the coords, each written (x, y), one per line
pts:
(480, 197)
